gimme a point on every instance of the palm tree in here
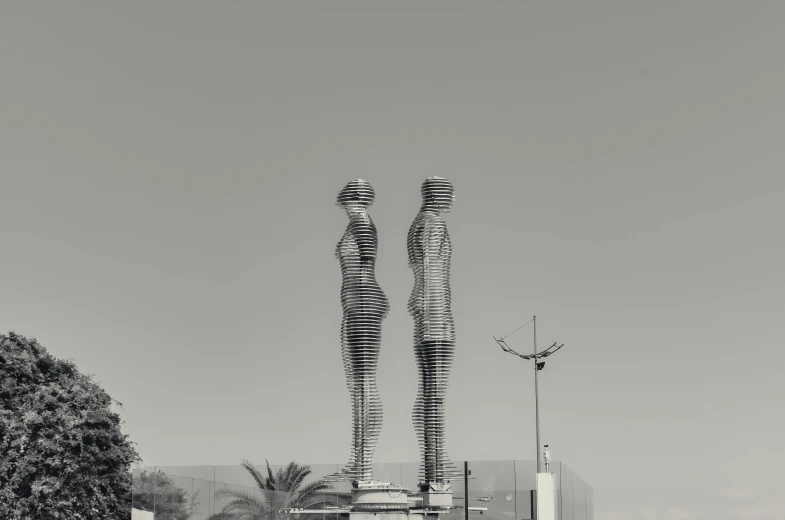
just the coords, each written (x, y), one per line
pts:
(279, 490)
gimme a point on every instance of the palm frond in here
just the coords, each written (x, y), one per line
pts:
(233, 516)
(270, 477)
(243, 500)
(255, 473)
(322, 501)
(299, 476)
(280, 488)
(243, 505)
(313, 487)
(280, 479)
(221, 516)
(232, 494)
(295, 473)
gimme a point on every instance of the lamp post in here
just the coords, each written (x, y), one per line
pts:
(538, 365)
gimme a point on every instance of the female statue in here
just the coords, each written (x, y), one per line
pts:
(364, 308)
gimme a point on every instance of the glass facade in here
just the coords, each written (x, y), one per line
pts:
(497, 490)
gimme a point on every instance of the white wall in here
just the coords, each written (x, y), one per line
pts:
(546, 497)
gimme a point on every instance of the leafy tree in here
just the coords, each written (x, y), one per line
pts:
(158, 492)
(63, 452)
(278, 490)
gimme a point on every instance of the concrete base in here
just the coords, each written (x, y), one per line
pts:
(546, 496)
(379, 516)
(379, 498)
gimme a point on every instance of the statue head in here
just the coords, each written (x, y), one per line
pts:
(437, 194)
(356, 194)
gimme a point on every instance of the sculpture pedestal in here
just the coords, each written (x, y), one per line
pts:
(379, 501)
(436, 500)
(436, 496)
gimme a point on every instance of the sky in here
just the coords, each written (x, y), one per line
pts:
(168, 174)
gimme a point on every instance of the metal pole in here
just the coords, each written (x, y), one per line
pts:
(466, 490)
(536, 398)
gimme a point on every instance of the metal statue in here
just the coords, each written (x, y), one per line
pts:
(364, 308)
(434, 330)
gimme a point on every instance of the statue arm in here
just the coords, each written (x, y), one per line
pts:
(433, 240)
(367, 240)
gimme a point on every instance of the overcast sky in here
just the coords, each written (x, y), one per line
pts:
(169, 173)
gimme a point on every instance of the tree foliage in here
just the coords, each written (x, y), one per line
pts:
(158, 492)
(281, 489)
(63, 451)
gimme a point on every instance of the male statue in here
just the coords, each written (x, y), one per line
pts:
(434, 330)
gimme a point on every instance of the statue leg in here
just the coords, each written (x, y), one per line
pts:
(375, 416)
(437, 357)
(418, 414)
(350, 385)
(364, 340)
(430, 412)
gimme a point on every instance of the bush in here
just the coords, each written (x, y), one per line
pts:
(64, 454)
